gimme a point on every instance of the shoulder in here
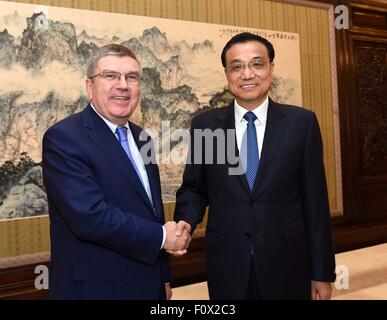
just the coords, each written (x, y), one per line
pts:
(66, 127)
(292, 109)
(294, 113)
(210, 115)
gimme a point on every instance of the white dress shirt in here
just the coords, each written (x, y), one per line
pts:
(136, 157)
(260, 123)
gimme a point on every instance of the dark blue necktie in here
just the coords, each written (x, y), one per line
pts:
(252, 149)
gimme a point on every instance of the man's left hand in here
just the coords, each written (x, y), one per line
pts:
(168, 291)
(321, 290)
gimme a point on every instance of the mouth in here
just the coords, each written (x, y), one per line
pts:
(120, 97)
(248, 85)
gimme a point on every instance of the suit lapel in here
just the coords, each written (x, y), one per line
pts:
(227, 122)
(102, 136)
(151, 170)
(276, 125)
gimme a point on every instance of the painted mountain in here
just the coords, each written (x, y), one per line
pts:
(42, 81)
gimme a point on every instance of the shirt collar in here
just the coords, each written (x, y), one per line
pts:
(113, 127)
(260, 112)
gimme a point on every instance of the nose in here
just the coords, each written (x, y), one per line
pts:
(247, 73)
(122, 83)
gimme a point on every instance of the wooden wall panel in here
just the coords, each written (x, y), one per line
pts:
(371, 102)
(362, 71)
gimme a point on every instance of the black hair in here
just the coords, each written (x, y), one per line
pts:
(245, 37)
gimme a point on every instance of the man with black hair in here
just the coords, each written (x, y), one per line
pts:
(268, 234)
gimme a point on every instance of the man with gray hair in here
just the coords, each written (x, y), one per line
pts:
(106, 213)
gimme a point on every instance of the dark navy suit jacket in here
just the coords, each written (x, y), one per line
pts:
(285, 218)
(105, 234)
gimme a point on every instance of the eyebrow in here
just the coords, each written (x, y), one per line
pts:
(254, 58)
(129, 72)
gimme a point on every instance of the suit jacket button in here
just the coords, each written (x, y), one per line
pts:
(247, 235)
(251, 202)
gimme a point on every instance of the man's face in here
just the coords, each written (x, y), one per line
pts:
(116, 100)
(249, 73)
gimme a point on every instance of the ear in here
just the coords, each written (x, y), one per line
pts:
(89, 88)
(272, 68)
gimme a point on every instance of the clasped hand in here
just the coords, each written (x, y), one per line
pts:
(178, 237)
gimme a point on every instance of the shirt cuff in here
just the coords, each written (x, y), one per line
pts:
(164, 237)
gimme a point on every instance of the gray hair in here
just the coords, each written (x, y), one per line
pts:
(107, 50)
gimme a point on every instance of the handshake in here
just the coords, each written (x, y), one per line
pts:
(178, 237)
